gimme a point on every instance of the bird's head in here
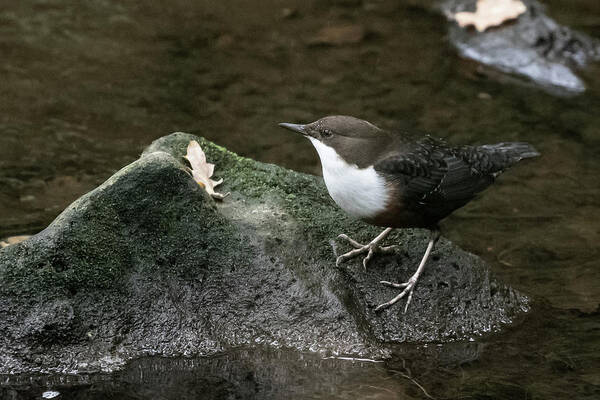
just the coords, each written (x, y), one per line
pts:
(351, 138)
(335, 128)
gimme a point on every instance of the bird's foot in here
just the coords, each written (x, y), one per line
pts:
(370, 248)
(409, 288)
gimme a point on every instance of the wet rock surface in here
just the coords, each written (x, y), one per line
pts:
(149, 264)
(534, 46)
(259, 373)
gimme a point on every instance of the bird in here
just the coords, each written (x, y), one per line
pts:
(401, 180)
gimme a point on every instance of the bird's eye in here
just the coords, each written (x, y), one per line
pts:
(326, 133)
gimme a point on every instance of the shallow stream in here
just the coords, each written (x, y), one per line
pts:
(87, 85)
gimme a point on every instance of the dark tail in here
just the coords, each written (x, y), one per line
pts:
(501, 156)
(515, 151)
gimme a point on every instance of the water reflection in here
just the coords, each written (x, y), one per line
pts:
(124, 74)
(529, 361)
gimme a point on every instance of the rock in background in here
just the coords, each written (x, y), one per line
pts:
(534, 46)
(149, 264)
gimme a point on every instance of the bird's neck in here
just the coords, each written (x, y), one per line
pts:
(361, 192)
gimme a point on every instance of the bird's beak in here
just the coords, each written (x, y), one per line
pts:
(295, 127)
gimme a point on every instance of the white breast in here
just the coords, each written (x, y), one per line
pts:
(361, 192)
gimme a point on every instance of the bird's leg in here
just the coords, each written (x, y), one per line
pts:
(370, 248)
(409, 286)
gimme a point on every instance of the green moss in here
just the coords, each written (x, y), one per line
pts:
(151, 210)
(152, 218)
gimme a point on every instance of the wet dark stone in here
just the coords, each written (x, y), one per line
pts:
(238, 374)
(149, 264)
(534, 46)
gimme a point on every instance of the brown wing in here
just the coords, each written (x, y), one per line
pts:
(434, 179)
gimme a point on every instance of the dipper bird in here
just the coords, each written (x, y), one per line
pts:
(398, 180)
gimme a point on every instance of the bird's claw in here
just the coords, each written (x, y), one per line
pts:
(370, 249)
(409, 288)
(352, 242)
(353, 253)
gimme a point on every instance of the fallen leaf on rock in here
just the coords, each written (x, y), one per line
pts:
(339, 35)
(491, 13)
(13, 240)
(202, 171)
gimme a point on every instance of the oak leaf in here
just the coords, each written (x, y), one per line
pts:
(202, 170)
(491, 13)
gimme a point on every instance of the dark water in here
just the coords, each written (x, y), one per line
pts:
(86, 85)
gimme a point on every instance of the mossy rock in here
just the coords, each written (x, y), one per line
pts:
(148, 263)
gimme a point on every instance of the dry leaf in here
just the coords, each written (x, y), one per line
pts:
(202, 171)
(13, 240)
(491, 13)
